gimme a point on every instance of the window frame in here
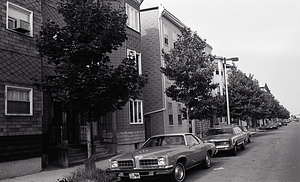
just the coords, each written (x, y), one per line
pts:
(140, 120)
(133, 20)
(30, 98)
(165, 33)
(137, 58)
(9, 7)
(170, 112)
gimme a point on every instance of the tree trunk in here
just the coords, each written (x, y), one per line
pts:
(90, 163)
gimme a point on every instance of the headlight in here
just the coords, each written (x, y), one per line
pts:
(162, 161)
(114, 164)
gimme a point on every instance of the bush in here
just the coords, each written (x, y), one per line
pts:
(80, 175)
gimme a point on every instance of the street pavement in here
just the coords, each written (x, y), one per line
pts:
(54, 174)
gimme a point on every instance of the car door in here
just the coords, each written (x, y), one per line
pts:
(195, 152)
(239, 135)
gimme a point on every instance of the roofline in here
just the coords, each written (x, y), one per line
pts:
(167, 14)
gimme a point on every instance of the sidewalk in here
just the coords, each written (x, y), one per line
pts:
(53, 174)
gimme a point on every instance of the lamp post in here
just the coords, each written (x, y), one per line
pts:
(226, 84)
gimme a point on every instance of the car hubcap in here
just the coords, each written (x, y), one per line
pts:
(208, 160)
(179, 173)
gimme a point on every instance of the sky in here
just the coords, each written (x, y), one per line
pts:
(263, 34)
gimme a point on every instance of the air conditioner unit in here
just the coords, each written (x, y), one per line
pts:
(22, 26)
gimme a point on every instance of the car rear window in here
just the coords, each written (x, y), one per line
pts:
(219, 131)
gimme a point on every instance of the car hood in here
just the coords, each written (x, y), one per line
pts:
(218, 137)
(151, 152)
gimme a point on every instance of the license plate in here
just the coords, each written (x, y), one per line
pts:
(134, 175)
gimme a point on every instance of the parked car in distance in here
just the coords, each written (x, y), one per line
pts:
(268, 127)
(226, 138)
(167, 154)
(284, 123)
(246, 133)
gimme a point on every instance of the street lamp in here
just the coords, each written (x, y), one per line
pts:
(224, 59)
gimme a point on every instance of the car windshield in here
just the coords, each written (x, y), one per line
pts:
(219, 131)
(164, 140)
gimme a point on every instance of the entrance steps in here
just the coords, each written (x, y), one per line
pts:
(77, 154)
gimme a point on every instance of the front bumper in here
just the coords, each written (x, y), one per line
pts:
(224, 148)
(143, 172)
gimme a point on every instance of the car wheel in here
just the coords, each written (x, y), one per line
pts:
(234, 151)
(249, 141)
(243, 146)
(179, 173)
(207, 161)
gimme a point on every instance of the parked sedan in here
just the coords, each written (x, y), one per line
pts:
(246, 133)
(226, 138)
(168, 154)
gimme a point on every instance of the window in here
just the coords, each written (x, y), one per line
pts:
(137, 57)
(191, 140)
(174, 36)
(165, 30)
(18, 101)
(170, 110)
(133, 20)
(136, 112)
(179, 119)
(19, 19)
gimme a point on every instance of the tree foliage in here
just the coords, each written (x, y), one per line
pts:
(191, 70)
(248, 99)
(86, 81)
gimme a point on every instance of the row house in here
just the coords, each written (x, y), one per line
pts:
(33, 129)
(160, 30)
(21, 103)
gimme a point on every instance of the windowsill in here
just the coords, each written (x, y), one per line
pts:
(14, 31)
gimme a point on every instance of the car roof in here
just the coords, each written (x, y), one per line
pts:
(221, 127)
(171, 134)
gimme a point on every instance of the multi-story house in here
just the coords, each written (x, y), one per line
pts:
(122, 130)
(159, 32)
(160, 29)
(21, 102)
(33, 129)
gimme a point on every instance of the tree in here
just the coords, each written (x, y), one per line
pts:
(191, 70)
(244, 93)
(85, 80)
(247, 99)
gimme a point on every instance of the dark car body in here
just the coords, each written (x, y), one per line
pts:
(226, 138)
(161, 155)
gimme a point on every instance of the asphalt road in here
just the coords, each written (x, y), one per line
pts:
(272, 156)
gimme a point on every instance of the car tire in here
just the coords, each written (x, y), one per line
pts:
(234, 151)
(207, 161)
(249, 141)
(178, 174)
(243, 146)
